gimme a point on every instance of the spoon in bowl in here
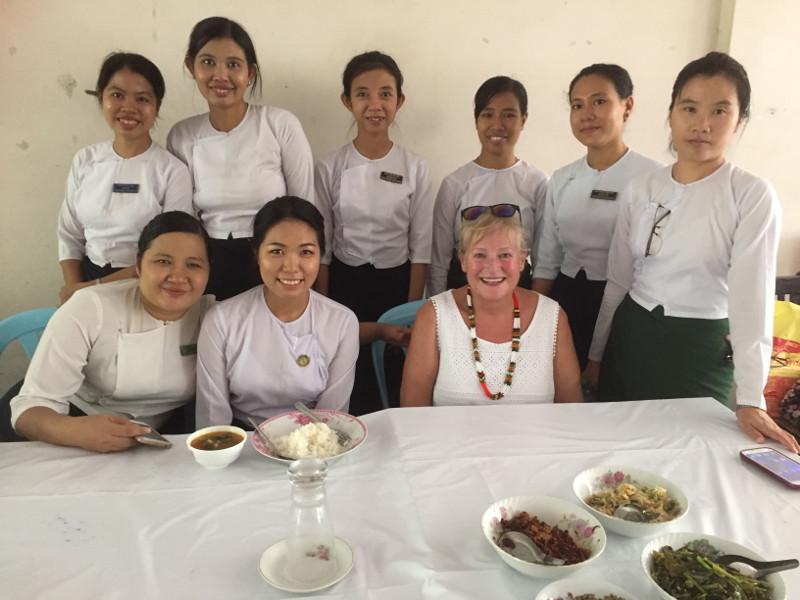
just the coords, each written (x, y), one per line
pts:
(268, 444)
(344, 439)
(761, 568)
(630, 512)
(522, 547)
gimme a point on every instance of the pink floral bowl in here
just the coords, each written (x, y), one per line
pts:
(585, 530)
(605, 479)
(284, 424)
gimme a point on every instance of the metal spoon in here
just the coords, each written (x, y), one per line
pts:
(522, 547)
(762, 568)
(268, 444)
(631, 512)
(344, 439)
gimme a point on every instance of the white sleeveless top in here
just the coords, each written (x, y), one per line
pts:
(457, 381)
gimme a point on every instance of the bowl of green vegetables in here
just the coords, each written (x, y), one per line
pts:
(682, 566)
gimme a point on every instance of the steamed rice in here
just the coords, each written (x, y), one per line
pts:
(312, 440)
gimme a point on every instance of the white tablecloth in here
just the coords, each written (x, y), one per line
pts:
(149, 523)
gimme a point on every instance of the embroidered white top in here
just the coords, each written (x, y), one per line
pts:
(376, 211)
(237, 172)
(248, 359)
(472, 185)
(109, 200)
(716, 258)
(580, 213)
(457, 381)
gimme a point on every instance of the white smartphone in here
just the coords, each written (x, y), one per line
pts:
(153, 438)
(777, 464)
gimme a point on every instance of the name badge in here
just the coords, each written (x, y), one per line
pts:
(391, 177)
(603, 195)
(125, 188)
(188, 349)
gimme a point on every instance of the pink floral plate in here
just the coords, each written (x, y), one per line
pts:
(284, 424)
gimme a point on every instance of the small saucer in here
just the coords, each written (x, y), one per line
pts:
(272, 567)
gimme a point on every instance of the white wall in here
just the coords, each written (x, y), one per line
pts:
(51, 52)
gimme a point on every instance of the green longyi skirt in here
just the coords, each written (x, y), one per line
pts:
(651, 356)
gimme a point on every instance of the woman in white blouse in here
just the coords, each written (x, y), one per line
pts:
(692, 264)
(490, 341)
(279, 343)
(240, 155)
(496, 175)
(114, 188)
(582, 199)
(122, 350)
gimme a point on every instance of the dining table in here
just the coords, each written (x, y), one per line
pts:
(149, 523)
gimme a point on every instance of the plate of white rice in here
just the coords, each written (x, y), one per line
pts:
(295, 436)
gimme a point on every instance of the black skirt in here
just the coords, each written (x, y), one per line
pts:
(580, 298)
(370, 292)
(91, 271)
(234, 268)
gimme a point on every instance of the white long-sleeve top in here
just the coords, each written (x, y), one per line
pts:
(716, 259)
(237, 172)
(109, 200)
(580, 214)
(472, 185)
(105, 348)
(248, 359)
(376, 211)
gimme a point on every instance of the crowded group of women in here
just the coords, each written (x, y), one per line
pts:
(653, 281)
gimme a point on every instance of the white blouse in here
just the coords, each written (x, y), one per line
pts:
(715, 259)
(580, 213)
(473, 185)
(376, 211)
(457, 381)
(237, 172)
(105, 348)
(109, 200)
(250, 365)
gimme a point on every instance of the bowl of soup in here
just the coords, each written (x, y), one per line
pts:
(217, 446)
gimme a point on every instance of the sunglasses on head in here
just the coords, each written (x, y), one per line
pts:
(504, 211)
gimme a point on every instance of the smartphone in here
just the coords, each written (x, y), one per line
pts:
(153, 438)
(777, 464)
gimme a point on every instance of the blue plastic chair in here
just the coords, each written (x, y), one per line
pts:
(403, 315)
(27, 327)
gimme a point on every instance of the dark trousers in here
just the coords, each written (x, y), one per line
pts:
(370, 292)
(92, 271)
(456, 278)
(580, 298)
(234, 268)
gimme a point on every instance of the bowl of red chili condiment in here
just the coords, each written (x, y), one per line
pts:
(560, 528)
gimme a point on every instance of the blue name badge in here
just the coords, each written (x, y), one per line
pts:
(125, 188)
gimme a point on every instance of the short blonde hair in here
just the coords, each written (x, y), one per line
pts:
(474, 231)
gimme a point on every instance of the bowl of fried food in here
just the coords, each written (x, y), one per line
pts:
(684, 566)
(568, 536)
(630, 502)
(583, 588)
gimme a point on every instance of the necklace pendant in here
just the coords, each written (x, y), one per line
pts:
(303, 360)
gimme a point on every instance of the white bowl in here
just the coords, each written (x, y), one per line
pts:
(284, 424)
(558, 590)
(678, 540)
(582, 527)
(602, 479)
(216, 459)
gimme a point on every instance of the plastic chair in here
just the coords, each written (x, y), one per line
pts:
(403, 315)
(27, 327)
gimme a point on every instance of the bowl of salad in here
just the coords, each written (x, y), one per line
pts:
(681, 566)
(659, 502)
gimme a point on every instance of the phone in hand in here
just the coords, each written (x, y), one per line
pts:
(153, 438)
(777, 464)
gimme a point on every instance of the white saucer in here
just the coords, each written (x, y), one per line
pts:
(273, 562)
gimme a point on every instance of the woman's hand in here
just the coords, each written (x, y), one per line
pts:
(592, 374)
(104, 433)
(395, 334)
(70, 288)
(756, 423)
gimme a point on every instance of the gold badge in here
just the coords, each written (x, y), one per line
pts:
(303, 360)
